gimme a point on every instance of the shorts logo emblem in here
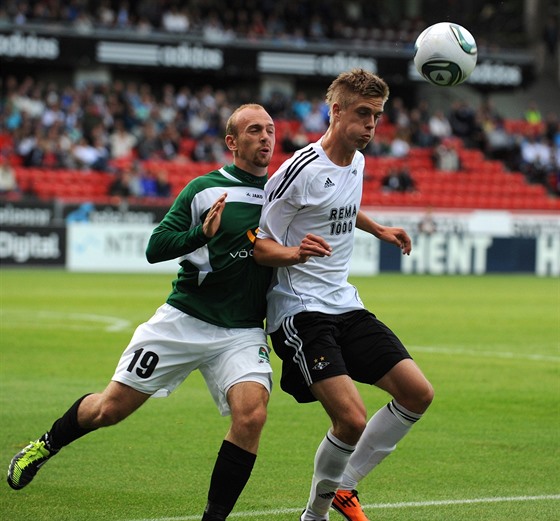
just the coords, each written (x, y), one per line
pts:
(320, 363)
(263, 355)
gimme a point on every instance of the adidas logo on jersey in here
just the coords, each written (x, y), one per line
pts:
(328, 183)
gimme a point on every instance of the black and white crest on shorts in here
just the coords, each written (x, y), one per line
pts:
(320, 363)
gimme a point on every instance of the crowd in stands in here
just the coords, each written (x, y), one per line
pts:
(293, 21)
(96, 127)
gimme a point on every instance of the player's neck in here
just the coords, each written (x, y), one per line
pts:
(251, 168)
(333, 146)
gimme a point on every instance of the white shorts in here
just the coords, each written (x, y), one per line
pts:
(171, 345)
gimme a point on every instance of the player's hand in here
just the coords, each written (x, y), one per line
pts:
(396, 236)
(313, 246)
(214, 217)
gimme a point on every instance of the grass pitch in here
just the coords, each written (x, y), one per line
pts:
(488, 448)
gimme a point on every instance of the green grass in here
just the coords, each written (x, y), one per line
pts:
(488, 448)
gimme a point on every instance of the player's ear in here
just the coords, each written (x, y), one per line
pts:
(231, 142)
(335, 110)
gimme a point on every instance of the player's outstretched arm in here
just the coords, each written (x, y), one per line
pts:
(390, 234)
(270, 253)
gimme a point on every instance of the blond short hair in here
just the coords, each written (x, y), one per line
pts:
(354, 84)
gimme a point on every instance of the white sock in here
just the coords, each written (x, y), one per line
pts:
(331, 459)
(380, 437)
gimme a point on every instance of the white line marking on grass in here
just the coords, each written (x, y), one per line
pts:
(447, 502)
(489, 354)
(411, 504)
(114, 324)
(61, 320)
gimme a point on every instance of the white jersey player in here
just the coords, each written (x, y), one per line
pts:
(316, 320)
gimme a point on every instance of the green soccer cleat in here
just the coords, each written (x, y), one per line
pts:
(26, 463)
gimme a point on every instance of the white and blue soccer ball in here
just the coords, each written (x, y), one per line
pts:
(445, 54)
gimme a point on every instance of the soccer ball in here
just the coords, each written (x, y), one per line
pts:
(445, 54)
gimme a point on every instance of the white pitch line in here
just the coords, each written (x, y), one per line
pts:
(116, 324)
(65, 320)
(488, 354)
(411, 504)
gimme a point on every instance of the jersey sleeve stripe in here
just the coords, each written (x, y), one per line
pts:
(293, 171)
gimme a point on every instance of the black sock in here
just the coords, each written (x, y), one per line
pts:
(230, 475)
(65, 430)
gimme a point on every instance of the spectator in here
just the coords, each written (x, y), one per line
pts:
(214, 31)
(218, 21)
(315, 120)
(91, 155)
(12, 115)
(123, 20)
(277, 105)
(537, 158)
(175, 19)
(127, 183)
(148, 146)
(398, 181)
(8, 181)
(163, 186)
(169, 142)
(427, 223)
(208, 149)
(144, 26)
(419, 132)
(439, 125)
(533, 114)
(550, 36)
(397, 114)
(446, 157)
(301, 106)
(499, 144)
(29, 100)
(149, 184)
(122, 142)
(105, 14)
(83, 23)
(462, 119)
(155, 184)
(552, 128)
(292, 141)
(379, 147)
(120, 186)
(167, 109)
(52, 114)
(400, 144)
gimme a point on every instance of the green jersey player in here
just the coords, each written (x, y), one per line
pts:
(212, 320)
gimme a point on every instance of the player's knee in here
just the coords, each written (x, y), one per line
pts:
(425, 396)
(349, 428)
(357, 424)
(251, 421)
(258, 419)
(420, 399)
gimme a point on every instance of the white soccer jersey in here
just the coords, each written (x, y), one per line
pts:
(310, 194)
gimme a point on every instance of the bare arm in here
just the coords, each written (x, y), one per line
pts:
(269, 253)
(391, 234)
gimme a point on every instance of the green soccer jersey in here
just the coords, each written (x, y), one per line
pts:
(218, 282)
